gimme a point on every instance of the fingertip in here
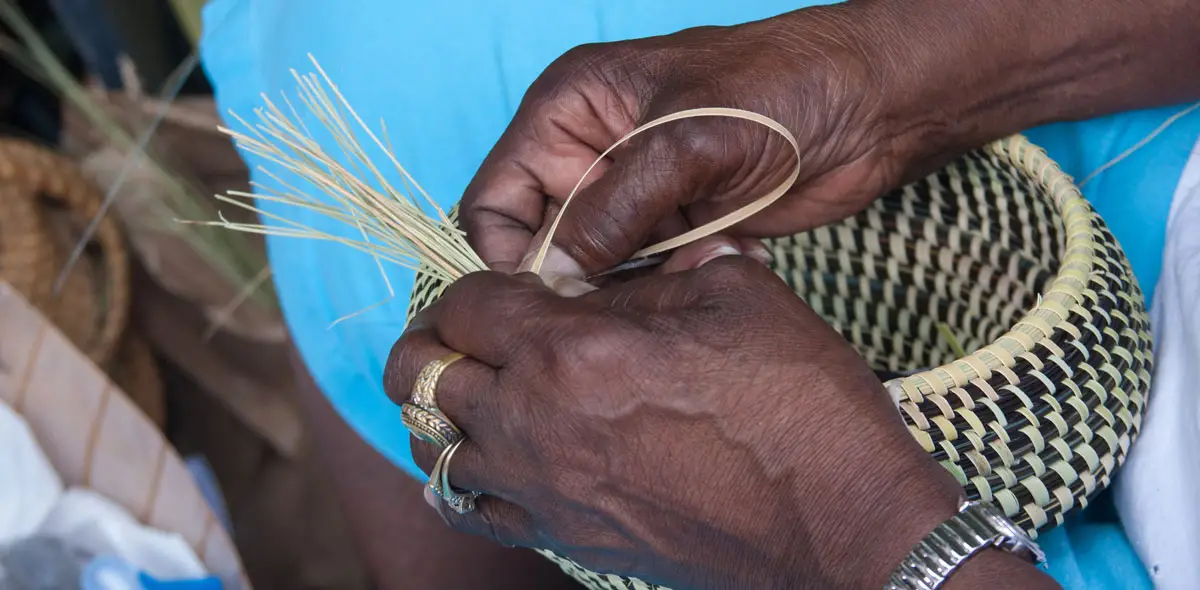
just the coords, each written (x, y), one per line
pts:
(556, 263)
(568, 286)
(756, 249)
(719, 252)
(564, 286)
(699, 253)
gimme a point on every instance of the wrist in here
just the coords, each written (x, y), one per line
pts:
(930, 87)
(994, 568)
(958, 77)
(886, 518)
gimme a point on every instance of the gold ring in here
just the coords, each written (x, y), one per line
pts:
(430, 426)
(424, 392)
(461, 502)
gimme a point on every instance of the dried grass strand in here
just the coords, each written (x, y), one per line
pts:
(711, 227)
(404, 226)
(393, 225)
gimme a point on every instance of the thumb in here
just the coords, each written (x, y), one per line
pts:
(650, 179)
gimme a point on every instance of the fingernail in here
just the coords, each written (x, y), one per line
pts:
(758, 251)
(568, 287)
(718, 252)
(430, 498)
(556, 263)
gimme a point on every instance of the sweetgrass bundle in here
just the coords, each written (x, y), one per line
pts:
(998, 253)
(401, 225)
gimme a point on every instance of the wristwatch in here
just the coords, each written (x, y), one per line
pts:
(976, 527)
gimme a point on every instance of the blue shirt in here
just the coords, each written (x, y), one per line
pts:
(447, 77)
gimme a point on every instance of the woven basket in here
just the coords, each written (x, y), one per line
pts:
(37, 187)
(95, 437)
(135, 370)
(1000, 248)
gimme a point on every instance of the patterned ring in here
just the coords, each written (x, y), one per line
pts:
(430, 426)
(424, 392)
(461, 502)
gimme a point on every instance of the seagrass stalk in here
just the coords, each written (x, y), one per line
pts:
(394, 224)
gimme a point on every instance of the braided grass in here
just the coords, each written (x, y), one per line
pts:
(1000, 248)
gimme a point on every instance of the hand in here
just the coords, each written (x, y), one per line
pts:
(877, 92)
(703, 429)
(815, 71)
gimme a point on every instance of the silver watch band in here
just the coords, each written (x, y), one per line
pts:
(976, 527)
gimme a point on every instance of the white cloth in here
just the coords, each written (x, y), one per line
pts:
(92, 522)
(1157, 493)
(29, 485)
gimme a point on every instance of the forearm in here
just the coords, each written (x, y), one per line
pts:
(965, 73)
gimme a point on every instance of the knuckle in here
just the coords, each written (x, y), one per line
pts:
(582, 55)
(591, 353)
(715, 148)
(575, 65)
(601, 233)
(702, 146)
(708, 141)
(461, 292)
(400, 370)
(483, 294)
(582, 60)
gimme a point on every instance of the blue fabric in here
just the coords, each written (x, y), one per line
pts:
(1134, 196)
(447, 78)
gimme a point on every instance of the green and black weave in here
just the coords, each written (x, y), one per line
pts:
(1000, 248)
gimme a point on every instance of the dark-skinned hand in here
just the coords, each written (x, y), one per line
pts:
(877, 92)
(703, 429)
(822, 86)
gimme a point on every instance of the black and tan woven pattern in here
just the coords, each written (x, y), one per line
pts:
(1000, 249)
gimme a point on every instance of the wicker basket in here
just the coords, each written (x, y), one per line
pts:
(1000, 248)
(45, 201)
(39, 190)
(97, 438)
(134, 368)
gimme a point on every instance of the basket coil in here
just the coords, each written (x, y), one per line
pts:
(39, 191)
(1001, 248)
(33, 180)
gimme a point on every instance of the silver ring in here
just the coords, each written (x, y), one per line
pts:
(461, 502)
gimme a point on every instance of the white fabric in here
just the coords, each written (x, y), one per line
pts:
(1158, 491)
(29, 485)
(92, 522)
